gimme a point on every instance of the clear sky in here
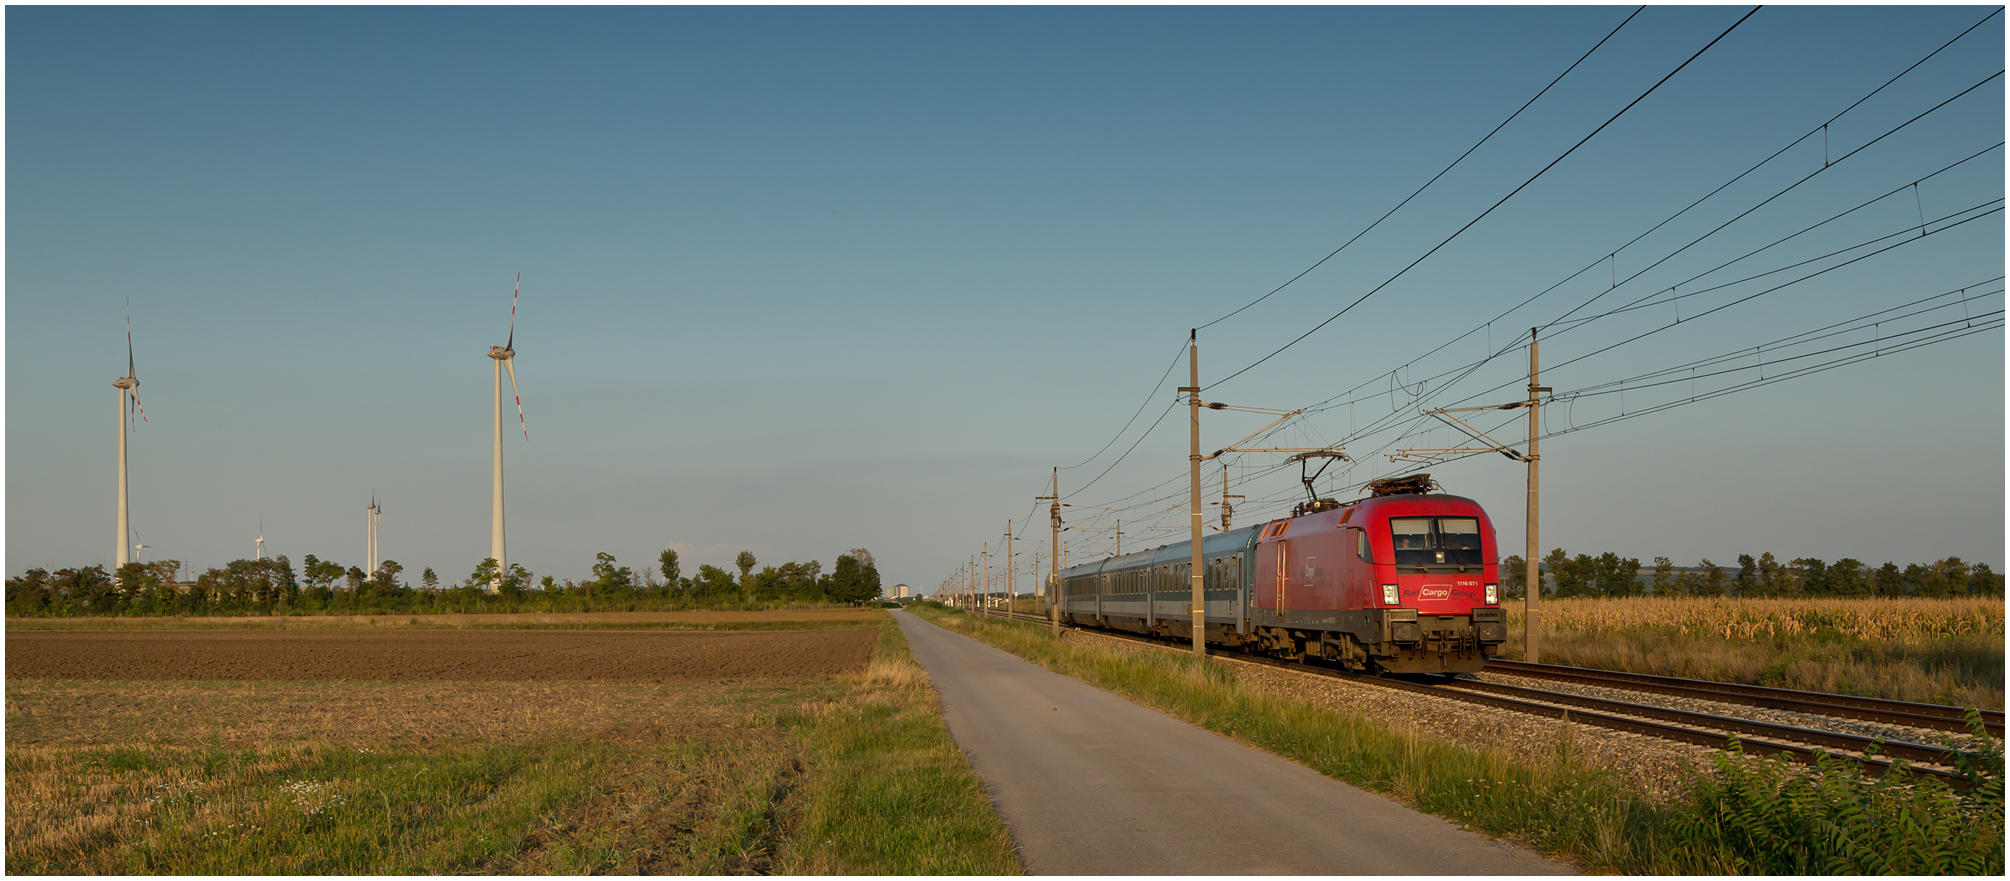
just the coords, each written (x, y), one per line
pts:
(803, 280)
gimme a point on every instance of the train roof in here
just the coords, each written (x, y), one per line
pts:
(1177, 552)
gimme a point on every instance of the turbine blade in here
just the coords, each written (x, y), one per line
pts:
(138, 406)
(129, 339)
(511, 342)
(511, 364)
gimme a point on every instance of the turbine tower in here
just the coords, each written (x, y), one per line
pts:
(261, 540)
(128, 386)
(504, 356)
(370, 523)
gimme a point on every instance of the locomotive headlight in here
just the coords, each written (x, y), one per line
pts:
(1493, 594)
(1388, 594)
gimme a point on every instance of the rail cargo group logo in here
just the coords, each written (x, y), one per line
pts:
(1435, 593)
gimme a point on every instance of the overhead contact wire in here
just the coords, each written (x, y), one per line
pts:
(1434, 179)
(1469, 224)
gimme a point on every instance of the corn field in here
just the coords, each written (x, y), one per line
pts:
(1933, 650)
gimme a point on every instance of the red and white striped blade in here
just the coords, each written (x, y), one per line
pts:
(511, 342)
(510, 364)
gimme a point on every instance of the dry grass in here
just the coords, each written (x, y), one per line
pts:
(1947, 651)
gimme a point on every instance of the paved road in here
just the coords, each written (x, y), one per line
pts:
(1092, 784)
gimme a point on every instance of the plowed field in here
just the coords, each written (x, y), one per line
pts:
(489, 655)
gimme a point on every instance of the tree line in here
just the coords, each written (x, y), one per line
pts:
(272, 586)
(1610, 575)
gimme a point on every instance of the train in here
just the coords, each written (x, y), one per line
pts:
(1404, 580)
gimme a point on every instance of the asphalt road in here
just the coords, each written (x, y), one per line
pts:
(1092, 784)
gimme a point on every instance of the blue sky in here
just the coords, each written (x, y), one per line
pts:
(802, 280)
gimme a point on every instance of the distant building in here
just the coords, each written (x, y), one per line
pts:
(900, 591)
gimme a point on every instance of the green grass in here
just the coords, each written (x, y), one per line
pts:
(894, 795)
(1557, 806)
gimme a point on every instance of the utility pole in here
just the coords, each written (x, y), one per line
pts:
(1532, 552)
(1197, 572)
(1011, 567)
(1120, 538)
(987, 579)
(1054, 560)
(1227, 510)
(1532, 563)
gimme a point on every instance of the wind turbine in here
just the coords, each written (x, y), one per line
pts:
(137, 547)
(261, 539)
(128, 386)
(370, 531)
(504, 356)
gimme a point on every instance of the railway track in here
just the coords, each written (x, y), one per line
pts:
(1805, 745)
(1933, 716)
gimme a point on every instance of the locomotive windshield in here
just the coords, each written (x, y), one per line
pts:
(1436, 541)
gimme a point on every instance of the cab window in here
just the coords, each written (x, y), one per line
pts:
(1436, 541)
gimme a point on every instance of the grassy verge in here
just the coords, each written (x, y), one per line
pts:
(1558, 806)
(854, 773)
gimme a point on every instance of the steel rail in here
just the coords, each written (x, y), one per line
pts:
(1917, 715)
(1917, 752)
(1621, 716)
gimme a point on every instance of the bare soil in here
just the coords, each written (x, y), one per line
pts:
(436, 655)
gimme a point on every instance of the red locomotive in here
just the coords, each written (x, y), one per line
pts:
(1403, 581)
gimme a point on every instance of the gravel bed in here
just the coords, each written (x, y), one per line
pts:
(1654, 767)
(1859, 727)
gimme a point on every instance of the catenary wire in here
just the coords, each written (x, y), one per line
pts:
(1434, 178)
(1469, 224)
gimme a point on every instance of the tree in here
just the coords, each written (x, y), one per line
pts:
(1664, 576)
(1771, 582)
(607, 577)
(1514, 572)
(1890, 581)
(1713, 578)
(134, 580)
(746, 563)
(1982, 581)
(384, 581)
(485, 574)
(29, 594)
(516, 582)
(321, 576)
(1950, 576)
(667, 562)
(1748, 569)
(1557, 564)
(712, 581)
(1614, 576)
(863, 556)
(1846, 578)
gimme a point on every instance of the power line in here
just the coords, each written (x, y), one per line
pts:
(1740, 176)
(1434, 178)
(1490, 210)
(1141, 408)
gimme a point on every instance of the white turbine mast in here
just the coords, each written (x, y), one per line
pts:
(128, 386)
(504, 356)
(261, 540)
(372, 515)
